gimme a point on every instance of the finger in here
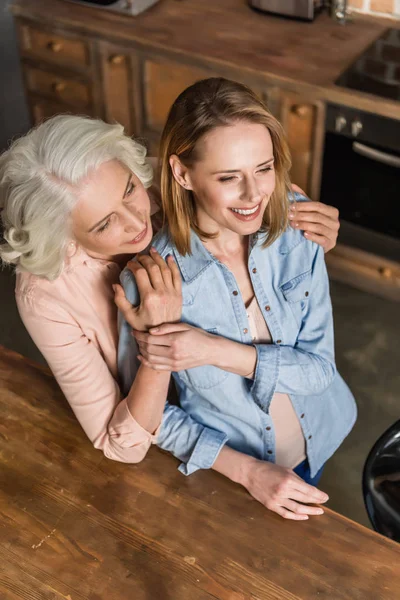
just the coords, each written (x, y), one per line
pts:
(288, 514)
(153, 271)
(141, 277)
(326, 243)
(302, 509)
(302, 497)
(312, 206)
(163, 266)
(314, 217)
(148, 338)
(176, 275)
(168, 328)
(162, 352)
(146, 363)
(298, 189)
(315, 228)
(120, 299)
(312, 493)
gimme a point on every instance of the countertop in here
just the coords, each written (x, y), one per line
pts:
(307, 57)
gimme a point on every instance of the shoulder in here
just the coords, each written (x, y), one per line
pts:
(38, 297)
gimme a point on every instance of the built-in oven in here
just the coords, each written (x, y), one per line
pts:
(361, 177)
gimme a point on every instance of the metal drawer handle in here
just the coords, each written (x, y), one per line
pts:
(55, 46)
(117, 59)
(377, 155)
(301, 110)
(58, 86)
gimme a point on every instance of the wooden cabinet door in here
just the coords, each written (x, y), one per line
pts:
(303, 121)
(117, 68)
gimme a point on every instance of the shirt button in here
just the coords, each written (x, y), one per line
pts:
(267, 308)
(279, 341)
(235, 292)
(309, 437)
(268, 428)
(269, 451)
(254, 270)
(302, 416)
(306, 294)
(245, 330)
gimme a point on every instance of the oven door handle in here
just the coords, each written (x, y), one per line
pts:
(377, 155)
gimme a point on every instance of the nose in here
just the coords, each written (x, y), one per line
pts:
(251, 191)
(134, 222)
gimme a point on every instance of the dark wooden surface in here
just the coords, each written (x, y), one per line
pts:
(308, 57)
(76, 526)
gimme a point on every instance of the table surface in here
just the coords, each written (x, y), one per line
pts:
(77, 526)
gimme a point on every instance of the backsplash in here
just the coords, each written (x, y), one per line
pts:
(387, 8)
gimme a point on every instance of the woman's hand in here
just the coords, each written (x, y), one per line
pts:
(319, 222)
(179, 347)
(160, 289)
(282, 491)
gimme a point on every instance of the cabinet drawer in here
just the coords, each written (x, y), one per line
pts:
(60, 88)
(54, 48)
(43, 108)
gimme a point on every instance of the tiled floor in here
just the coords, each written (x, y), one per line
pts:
(368, 357)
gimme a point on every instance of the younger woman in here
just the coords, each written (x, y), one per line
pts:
(261, 400)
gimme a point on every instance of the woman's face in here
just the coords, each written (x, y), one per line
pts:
(234, 178)
(112, 215)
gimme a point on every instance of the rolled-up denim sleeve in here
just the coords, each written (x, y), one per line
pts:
(308, 367)
(196, 445)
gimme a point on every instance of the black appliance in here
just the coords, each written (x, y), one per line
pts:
(361, 177)
(296, 9)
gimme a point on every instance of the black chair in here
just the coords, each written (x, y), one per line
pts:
(381, 483)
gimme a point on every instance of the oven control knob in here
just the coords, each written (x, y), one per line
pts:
(356, 128)
(340, 123)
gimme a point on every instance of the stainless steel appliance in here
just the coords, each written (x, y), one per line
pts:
(297, 9)
(361, 177)
(131, 7)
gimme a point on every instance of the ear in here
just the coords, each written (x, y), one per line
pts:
(180, 172)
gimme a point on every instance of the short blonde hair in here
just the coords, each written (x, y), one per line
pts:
(202, 107)
(39, 176)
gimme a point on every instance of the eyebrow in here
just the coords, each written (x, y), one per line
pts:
(109, 215)
(270, 160)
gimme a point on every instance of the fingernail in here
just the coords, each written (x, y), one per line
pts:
(306, 234)
(114, 287)
(154, 329)
(320, 512)
(153, 249)
(291, 215)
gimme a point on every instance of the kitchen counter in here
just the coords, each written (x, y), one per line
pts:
(308, 56)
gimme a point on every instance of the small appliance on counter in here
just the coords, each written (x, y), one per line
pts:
(305, 10)
(130, 7)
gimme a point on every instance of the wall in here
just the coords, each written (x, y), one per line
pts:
(14, 118)
(387, 8)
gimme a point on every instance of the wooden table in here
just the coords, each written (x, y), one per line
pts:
(76, 526)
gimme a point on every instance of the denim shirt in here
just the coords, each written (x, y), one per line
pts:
(217, 407)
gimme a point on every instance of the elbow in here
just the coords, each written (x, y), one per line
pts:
(126, 454)
(327, 373)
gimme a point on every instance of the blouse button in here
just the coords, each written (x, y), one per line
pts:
(268, 428)
(267, 308)
(245, 330)
(306, 294)
(254, 270)
(302, 416)
(235, 292)
(279, 341)
(309, 437)
(269, 451)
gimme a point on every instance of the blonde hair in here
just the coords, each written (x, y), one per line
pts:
(202, 107)
(39, 175)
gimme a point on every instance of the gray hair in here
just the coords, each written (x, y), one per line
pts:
(39, 175)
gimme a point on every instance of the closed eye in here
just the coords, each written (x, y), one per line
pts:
(130, 189)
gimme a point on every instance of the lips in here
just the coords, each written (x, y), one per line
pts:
(246, 214)
(139, 237)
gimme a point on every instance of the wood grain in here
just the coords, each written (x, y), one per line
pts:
(76, 526)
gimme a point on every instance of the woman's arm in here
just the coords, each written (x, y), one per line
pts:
(306, 368)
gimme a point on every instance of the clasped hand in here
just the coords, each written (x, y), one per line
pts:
(160, 289)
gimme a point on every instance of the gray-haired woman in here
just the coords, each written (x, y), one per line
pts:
(77, 203)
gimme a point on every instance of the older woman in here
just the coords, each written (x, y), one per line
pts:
(76, 205)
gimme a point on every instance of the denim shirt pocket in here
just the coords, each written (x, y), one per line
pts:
(296, 293)
(205, 377)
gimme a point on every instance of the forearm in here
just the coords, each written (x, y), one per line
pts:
(147, 396)
(234, 357)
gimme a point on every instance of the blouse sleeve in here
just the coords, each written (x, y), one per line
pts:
(86, 381)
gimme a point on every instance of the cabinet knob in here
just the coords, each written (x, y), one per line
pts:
(386, 272)
(301, 110)
(117, 59)
(58, 86)
(55, 46)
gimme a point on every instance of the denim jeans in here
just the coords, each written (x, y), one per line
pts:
(303, 471)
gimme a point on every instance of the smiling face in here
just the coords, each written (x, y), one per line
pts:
(233, 178)
(112, 215)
